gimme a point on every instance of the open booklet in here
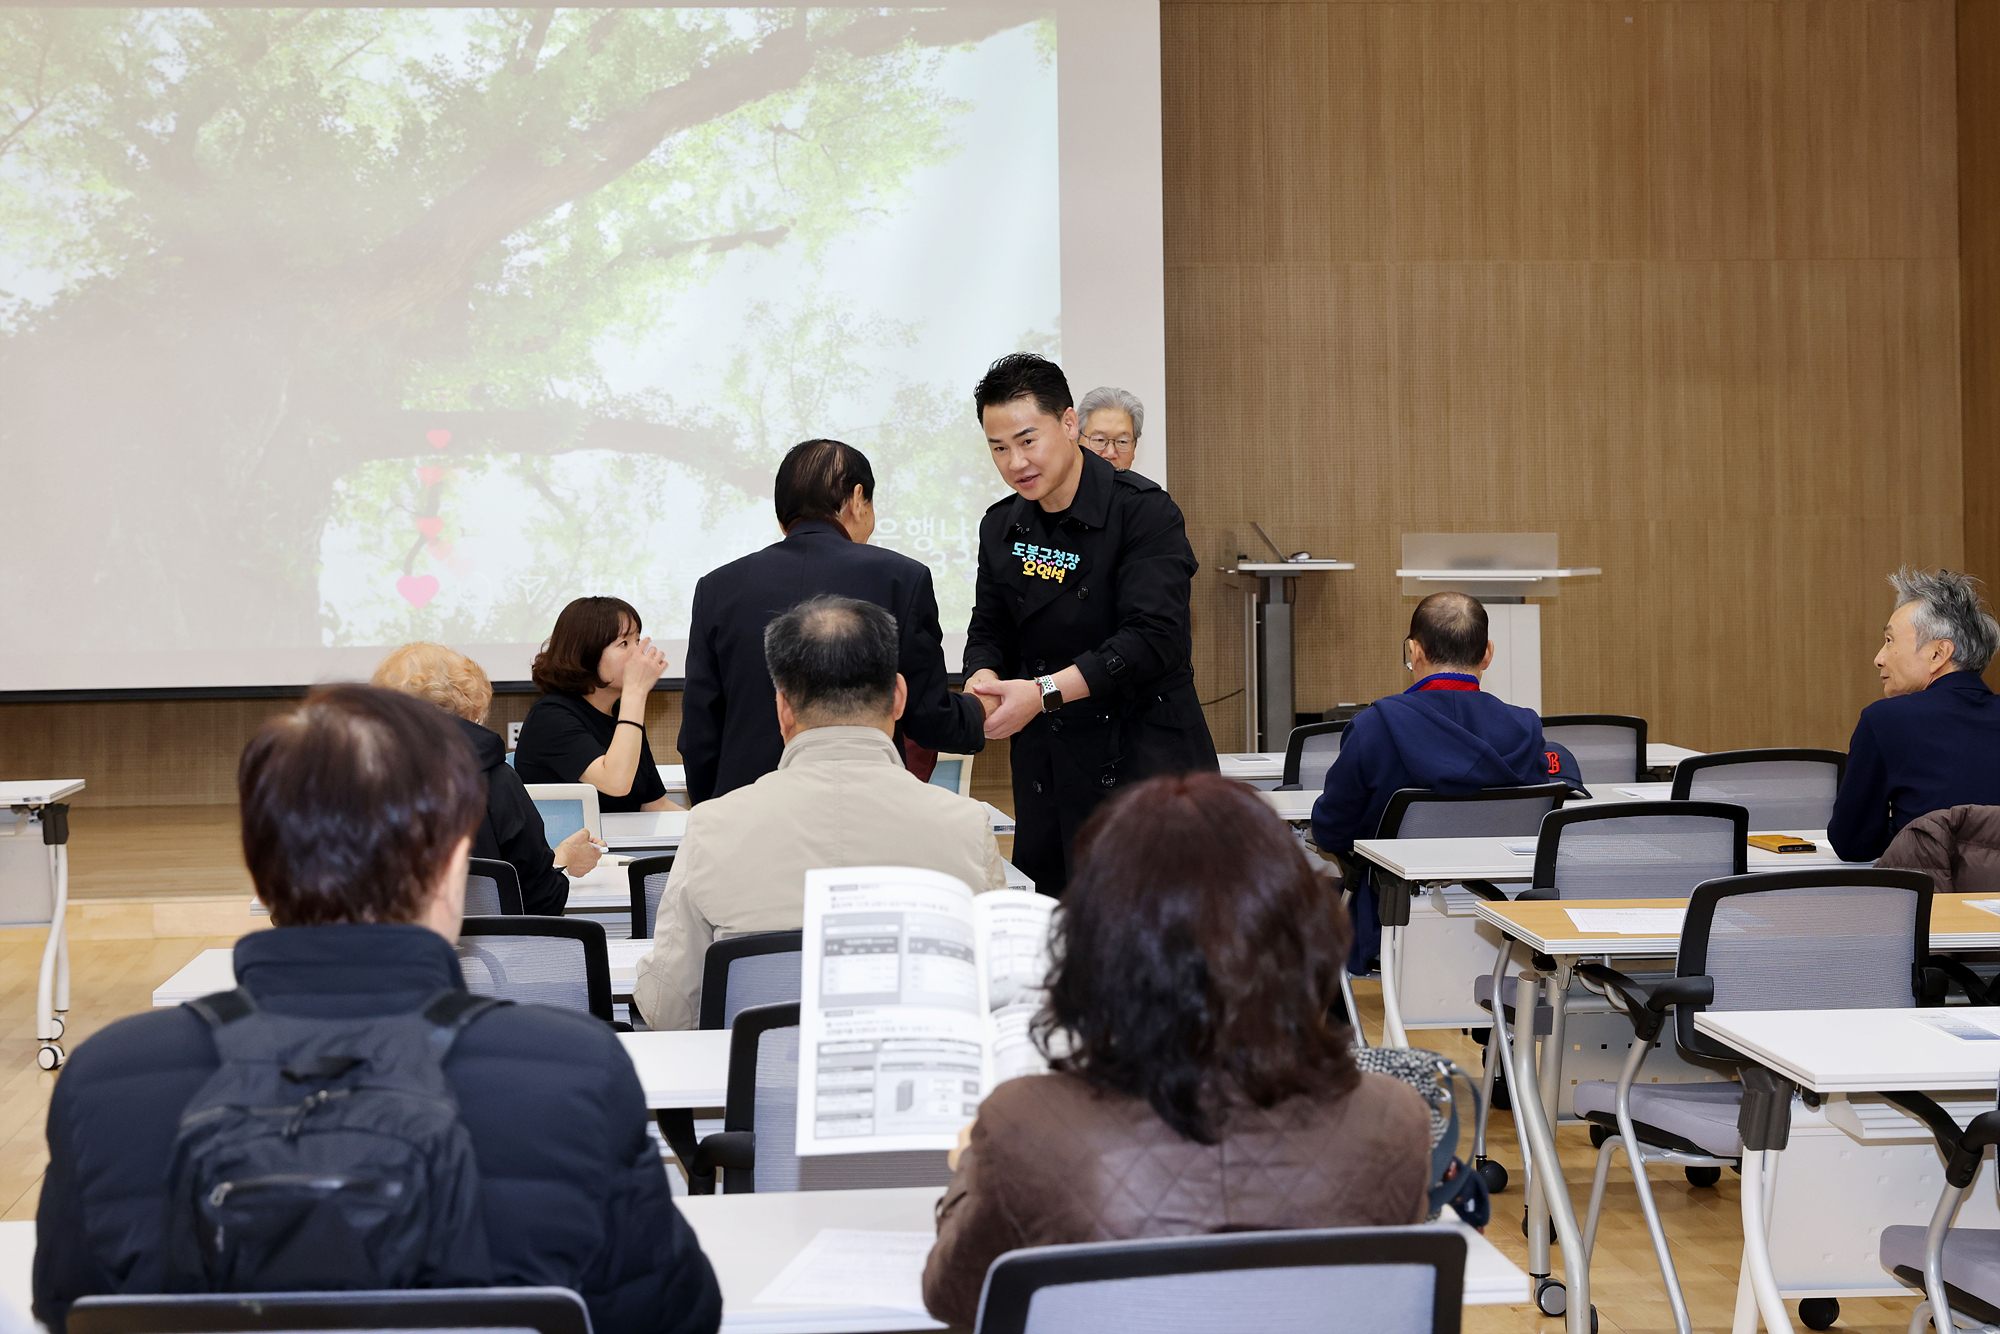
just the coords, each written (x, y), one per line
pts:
(916, 1000)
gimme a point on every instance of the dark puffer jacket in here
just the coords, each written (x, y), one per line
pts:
(1960, 847)
(574, 1192)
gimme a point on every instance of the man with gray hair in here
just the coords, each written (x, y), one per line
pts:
(1933, 741)
(1112, 421)
(840, 796)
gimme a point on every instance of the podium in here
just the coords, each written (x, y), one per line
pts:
(1501, 570)
(1270, 588)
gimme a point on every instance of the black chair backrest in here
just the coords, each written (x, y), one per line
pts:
(1820, 939)
(739, 972)
(543, 1310)
(763, 1098)
(560, 961)
(647, 877)
(1389, 1280)
(1609, 747)
(1783, 789)
(1639, 849)
(1309, 752)
(492, 889)
(1491, 812)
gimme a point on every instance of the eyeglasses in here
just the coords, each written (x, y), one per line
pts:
(1122, 444)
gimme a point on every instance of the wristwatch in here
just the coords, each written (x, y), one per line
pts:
(1051, 693)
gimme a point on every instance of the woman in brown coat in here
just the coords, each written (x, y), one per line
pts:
(1201, 1086)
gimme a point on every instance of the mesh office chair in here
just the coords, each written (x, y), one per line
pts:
(738, 972)
(755, 1150)
(1793, 940)
(1632, 850)
(1389, 1280)
(1782, 789)
(492, 888)
(1609, 747)
(1309, 752)
(1956, 1268)
(559, 961)
(487, 1310)
(648, 878)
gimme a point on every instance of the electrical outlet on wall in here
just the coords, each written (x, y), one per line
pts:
(513, 735)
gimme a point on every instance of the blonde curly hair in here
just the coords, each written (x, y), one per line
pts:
(443, 676)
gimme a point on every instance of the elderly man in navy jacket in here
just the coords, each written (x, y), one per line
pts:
(825, 498)
(1444, 733)
(1933, 741)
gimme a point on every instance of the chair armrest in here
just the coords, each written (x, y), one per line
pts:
(1538, 894)
(733, 1149)
(1630, 998)
(1921, 1106)
(1953, 971)
(1288, 787)
(1681, 991)
(620, 1026)
(1962, 1149)
(1484, 889)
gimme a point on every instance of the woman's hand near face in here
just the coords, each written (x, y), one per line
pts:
(644, 668)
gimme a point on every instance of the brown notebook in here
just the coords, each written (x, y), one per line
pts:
(1782, 843)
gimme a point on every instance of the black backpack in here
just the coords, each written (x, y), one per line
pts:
(326, 1155)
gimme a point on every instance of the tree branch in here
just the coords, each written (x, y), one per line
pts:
(431, 257)
(531, 45)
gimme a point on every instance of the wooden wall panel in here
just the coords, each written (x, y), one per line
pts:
(1676, 280)
(1979, 280)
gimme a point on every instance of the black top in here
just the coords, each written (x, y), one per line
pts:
(512, 830)
(570, 1185)
(1914, 754)
(1103, 586)
(563, 735)
(729, 719)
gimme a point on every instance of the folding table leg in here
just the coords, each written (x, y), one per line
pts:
(52, 985)
(1392, 983)
(1548, 1193)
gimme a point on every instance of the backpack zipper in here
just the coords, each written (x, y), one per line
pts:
(298, 1181)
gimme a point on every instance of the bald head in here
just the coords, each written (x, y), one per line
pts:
(1448, 633)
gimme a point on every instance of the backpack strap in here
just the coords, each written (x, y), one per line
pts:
(223, 1007)
(452, 1012)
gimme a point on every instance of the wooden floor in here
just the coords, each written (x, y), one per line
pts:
(179, 870)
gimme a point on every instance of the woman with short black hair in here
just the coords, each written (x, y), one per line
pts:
(589, 726)
(1197, 1083)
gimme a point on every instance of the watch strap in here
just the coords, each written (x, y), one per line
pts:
(1050, 691)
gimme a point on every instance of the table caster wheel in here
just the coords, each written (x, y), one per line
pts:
(1492, 1173)
(1708, 1176)
(50, 1057)
(1819, 1312)
(1552, 1298)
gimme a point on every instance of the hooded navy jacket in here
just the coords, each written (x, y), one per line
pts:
(1439, 735)
(574, 1192)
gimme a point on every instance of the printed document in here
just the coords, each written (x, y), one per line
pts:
(844, 1266)
(1628, 921)
(916, 999)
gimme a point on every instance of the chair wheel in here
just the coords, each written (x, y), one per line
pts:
(1551, 1297)
(1503, 1101)
(61, 1027)
(1598, 1134)
(1492, 1173)
(1814, 1312)
(1708, 1176)
(50, 1057)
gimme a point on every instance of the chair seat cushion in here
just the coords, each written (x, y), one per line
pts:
(1482, 994)
(1702, 1114)
(1971, 1257)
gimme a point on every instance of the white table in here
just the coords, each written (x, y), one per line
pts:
(52, 984)
(1455, 860)
(1843, 1051)
(215, 970)
(1660, 755)
(688, 1068)
(662, 831)
(749, 1239)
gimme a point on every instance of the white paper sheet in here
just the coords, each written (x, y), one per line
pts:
(1986, 905)
(1520, 847)
(851, 1267)
(627, 953)
(1628, 921)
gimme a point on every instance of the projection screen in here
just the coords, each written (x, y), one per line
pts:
(322, 330)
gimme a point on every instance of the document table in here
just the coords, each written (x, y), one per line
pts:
(40, 809)
(215, 970)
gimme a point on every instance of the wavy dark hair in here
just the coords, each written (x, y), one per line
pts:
(567, 664)
(1195, 956)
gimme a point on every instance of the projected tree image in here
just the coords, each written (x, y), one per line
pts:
(294, 289)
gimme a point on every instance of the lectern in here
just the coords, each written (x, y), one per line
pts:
(1502, 570)
(1269, 590)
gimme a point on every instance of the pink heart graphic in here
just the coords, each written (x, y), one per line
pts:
(430, 525)
(430, 476)
(438, 439)
(417, 589)
(439, 550)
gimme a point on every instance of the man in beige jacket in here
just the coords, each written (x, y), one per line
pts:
(840, 796)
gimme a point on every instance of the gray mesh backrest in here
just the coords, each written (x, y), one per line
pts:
(1495, 818)
(653, 886)
(531, 970)
(1643, 856)
(775, 1121)
(1603, 754)
(482, 895)
(1382, 1299)
(760, 979)
(1316, 755)
(1779, 794)
(1824, 947)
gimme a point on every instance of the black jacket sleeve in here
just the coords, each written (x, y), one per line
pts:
(1156, 567)
(524, 843)
(934, 716)
(702, 703)
(992, 637)
(65, 1267)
